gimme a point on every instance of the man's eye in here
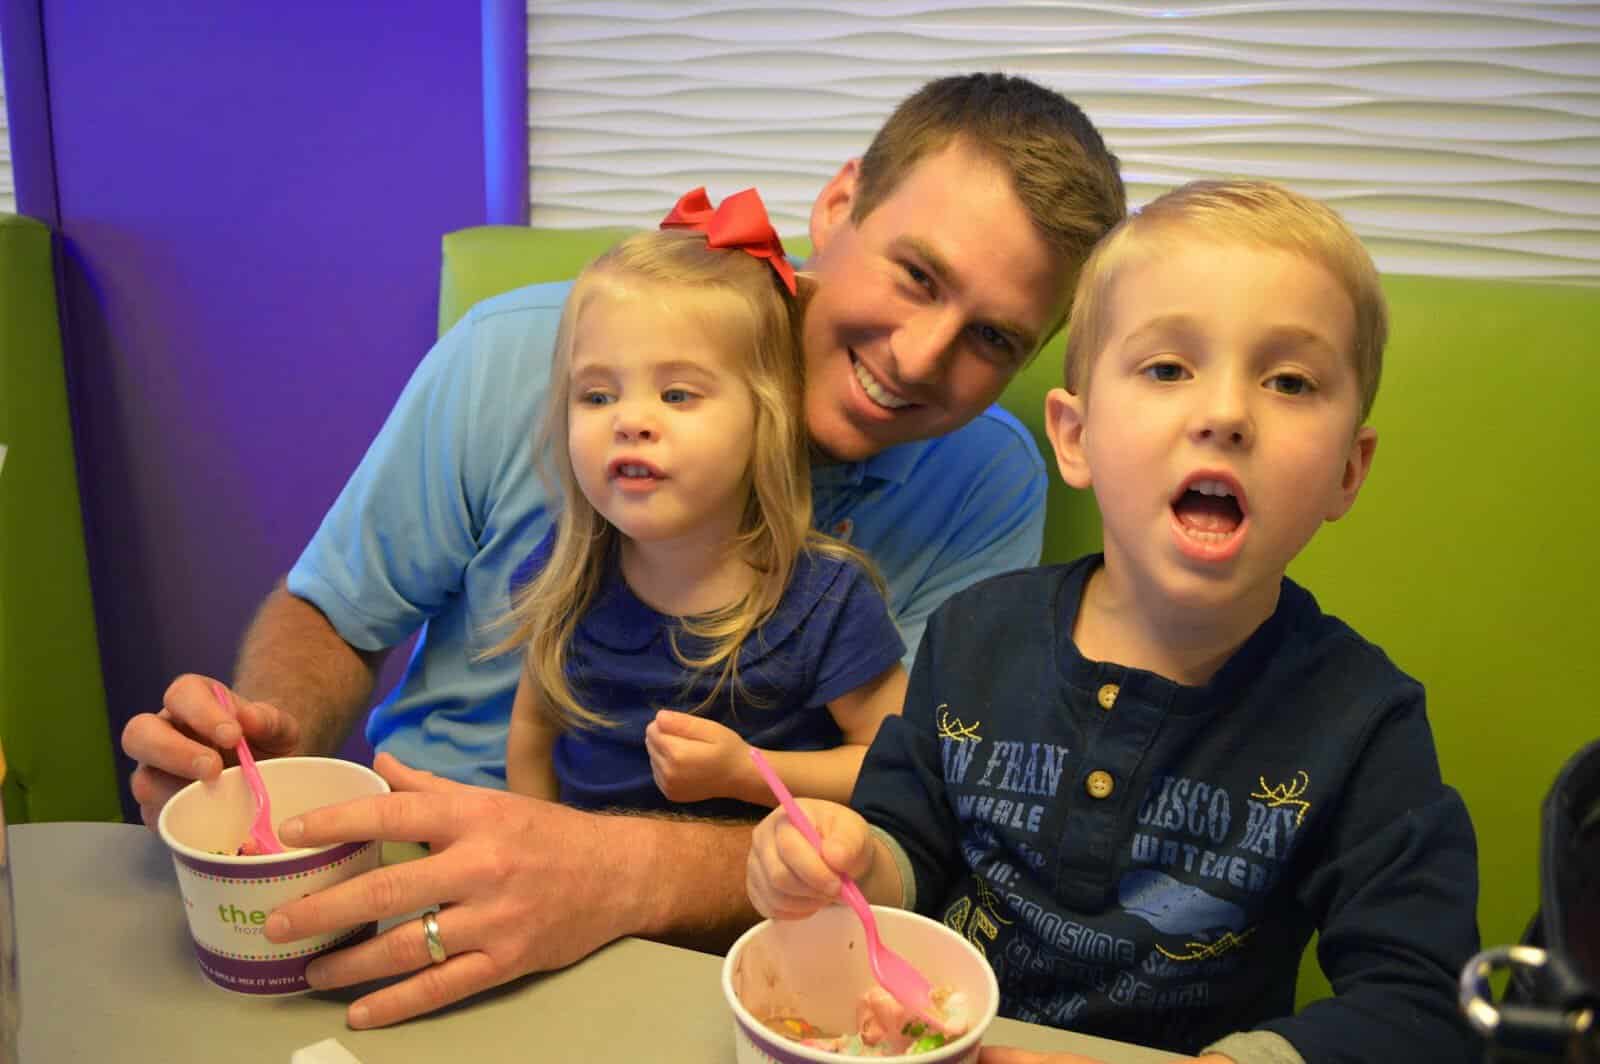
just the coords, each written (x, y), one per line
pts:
(994, 339)
(676, 395)
(1165, 372)
(919, 277)
(1290, 384)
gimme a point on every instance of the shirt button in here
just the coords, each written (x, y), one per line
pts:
(1108, 695)
(1099, 784)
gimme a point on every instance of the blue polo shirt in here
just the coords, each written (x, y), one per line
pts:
(448, 501)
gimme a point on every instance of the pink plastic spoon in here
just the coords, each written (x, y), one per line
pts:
(261, 832)
(894, 973)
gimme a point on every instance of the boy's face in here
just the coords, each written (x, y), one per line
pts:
(926, 309)
(1218, 427)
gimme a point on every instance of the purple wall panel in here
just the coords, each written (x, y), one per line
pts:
(251, 198)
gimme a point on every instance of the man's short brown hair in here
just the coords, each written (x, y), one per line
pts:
(1060, 169)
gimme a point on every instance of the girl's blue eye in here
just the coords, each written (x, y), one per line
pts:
(1166, 372)
(675, 395)
(594, 399)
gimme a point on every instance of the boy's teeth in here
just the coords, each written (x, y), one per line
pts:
(875, 391)
(1210, 487)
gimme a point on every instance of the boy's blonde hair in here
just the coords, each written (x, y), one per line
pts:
(1060, 168)
(1254, 212)
(738, 301)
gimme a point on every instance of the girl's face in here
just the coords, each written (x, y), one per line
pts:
(661, 423)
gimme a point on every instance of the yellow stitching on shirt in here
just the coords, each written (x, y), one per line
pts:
(1202, 950)
(1286, 794)
(990, 901)
(952, 727)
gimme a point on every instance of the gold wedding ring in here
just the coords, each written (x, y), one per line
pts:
(430, 935)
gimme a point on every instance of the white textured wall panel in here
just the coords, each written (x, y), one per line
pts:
(1458, 138)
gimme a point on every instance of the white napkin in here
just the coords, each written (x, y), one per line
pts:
(327, 1051)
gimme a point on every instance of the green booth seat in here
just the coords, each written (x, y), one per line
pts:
(1466, 558)
(53, 721)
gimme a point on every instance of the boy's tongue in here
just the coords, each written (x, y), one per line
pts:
(1208, 513)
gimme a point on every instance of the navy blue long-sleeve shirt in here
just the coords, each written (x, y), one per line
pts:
(1146, 861)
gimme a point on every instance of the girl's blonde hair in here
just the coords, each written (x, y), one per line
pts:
(1256, 212)
(738, 301)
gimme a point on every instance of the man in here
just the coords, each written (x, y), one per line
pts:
(944, 258)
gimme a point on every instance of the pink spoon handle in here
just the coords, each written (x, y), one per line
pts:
(261, 828)
(893, 972)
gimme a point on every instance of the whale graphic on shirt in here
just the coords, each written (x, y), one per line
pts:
(1173, 907)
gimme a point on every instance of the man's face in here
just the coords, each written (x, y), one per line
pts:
(927, 308)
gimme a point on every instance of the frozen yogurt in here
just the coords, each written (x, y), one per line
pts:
(884, 1027)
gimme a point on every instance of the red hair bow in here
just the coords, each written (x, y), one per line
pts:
(739, 222)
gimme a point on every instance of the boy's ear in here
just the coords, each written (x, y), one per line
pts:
(1063, 423)
(832, 206)
(1357, 464)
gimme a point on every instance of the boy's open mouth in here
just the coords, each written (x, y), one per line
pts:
(1209, 509)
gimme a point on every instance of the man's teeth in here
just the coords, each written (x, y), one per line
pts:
(1210, 487)
(875, 390)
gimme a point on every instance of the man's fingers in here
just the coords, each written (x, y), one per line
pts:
(190, 703)
(154, 739)
(152, 788)
(400, 949)
(269, 728)
(432, 988)
(403, 948)
(381, 894)
(400, 816)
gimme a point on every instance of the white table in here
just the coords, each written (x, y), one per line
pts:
(108, 974)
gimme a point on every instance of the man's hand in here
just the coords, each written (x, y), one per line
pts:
(693, 759)
(184, 740)
(785, 877)
(516, 878)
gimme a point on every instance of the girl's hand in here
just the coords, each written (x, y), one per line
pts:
(785, 877)
(693, 759)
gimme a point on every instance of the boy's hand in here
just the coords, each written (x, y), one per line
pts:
(693, 759)
(785, 877)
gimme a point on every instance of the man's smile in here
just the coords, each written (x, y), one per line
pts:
(875, 391)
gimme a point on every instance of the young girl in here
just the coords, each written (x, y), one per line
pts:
(682, 607)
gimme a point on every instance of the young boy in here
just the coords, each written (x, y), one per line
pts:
(1139, 782)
